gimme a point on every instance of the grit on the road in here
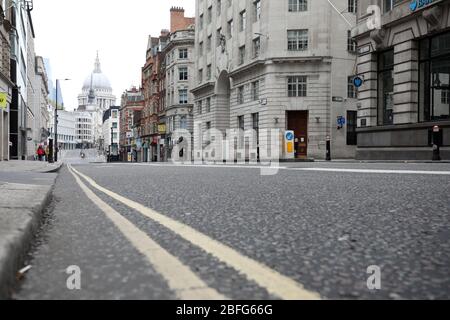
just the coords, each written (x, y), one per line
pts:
(318, 229)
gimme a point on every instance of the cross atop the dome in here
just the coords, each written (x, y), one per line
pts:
(97, 65)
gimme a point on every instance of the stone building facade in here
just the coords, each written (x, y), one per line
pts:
(284, 65)
(180, 72)
(5, 80)
(404, 61)
(154, 95)
(132, 101)
(111, 131)
(20, 19)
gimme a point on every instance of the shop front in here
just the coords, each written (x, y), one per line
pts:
(405, 96)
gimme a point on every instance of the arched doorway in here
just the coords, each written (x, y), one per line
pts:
(222, 113)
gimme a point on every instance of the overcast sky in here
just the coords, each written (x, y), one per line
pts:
(69, 33)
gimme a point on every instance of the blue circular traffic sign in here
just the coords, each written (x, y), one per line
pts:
(358, 82)
(289, 136)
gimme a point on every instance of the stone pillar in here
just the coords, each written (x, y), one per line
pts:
(406, 84)
(367, 93)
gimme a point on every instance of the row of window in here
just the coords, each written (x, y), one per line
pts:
(85, 132)
(255, 122)
(296, 87)
(183, 54)
(434, 81)
(293, 6)
(83, 120)
(204, 106)
(183, 74)
(254, 92)
(297, 40)
(182, 123)
(183, 97)
(64, 137)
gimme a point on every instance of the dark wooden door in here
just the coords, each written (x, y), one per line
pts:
(298, 122)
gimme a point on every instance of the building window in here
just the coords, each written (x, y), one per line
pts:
(219, 7)
(255, 91)
(242, 20)
(209, 43)
(351, 89)
(242, 55)
(208, 72)
(183, 53)
(199, 107)
(445, 96)
(183, 96)
(352, 137)
(218, 37)
(297, 40)
(390, 4)
(386, 88)
(351, 43)
(297, 86)
(256, 47)
(230, 27)
(298, 5)
(200, 75)
(183, 73)
(255, 121)
(200, 23)
(257, 9)
(434, 78)
(183, 122)
(240, 95)
(241, 123)
(208, 105)
(200, 48)
(209, 15)
(353, 6)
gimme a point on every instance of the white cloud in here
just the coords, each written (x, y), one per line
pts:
(69, 33)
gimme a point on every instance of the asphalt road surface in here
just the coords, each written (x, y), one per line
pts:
(310, 231)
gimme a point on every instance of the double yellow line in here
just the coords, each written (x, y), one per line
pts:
(180, 277)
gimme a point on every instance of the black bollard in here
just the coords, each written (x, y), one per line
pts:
(436, 143)
(328, 158)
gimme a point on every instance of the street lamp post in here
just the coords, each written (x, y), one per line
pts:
(55, 148)
(111, 147)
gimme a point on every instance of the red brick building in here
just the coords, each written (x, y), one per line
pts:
(153, 117)
(132, 101)
(153, 77)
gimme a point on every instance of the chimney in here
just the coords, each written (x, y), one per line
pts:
(177, 20)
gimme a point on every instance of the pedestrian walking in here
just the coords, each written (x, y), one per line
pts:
(40, 153)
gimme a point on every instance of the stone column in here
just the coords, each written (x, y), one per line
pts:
(406, 84)
(367, 93)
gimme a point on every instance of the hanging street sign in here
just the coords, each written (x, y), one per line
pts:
(358, 82)
(3, 100)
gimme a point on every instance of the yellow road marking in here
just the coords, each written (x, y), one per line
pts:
(185, 284)
(275, 283)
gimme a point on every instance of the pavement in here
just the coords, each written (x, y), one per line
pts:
(25, 192)
(29, 166)
(313, 228)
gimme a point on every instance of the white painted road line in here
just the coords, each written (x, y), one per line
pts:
(180, 278)
(338, 170)
(423, 172)
(274, 282)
